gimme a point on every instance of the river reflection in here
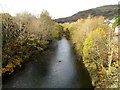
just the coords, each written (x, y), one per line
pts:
(55, 69)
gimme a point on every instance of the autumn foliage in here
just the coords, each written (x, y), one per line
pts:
(93, 40)
(24, 36)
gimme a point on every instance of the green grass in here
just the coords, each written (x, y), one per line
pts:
(99, 9)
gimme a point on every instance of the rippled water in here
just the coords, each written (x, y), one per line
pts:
(55, 69)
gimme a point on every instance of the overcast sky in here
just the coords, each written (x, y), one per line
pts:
(56, 8)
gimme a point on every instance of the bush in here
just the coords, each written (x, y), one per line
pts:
(24, 36)
(93, 41)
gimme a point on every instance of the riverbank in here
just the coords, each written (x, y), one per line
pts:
(93, 42)
(57, 68)
(30, 59)
(23, 41)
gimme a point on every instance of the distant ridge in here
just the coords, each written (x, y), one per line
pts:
(107, 11)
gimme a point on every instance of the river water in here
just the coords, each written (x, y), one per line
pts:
(56, 68)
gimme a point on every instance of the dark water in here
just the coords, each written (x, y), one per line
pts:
(57, 68)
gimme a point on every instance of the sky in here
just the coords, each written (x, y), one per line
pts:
(56, 8)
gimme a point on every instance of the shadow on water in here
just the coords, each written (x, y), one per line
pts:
(83, 75)
(56, 68)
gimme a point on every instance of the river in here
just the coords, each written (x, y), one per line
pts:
(56, 68)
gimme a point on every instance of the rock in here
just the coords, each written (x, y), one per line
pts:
(59, 61)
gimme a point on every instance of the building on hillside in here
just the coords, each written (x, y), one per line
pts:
(117, 33)
(110, 22)
(117, 30)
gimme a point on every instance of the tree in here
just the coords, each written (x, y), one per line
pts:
(9, 28)
(117, 22)
(80, 30)
(95, 48)
(25, 35)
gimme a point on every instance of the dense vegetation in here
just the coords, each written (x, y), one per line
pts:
(25, 36)
(117, 22)
(94, 43)
(108, 11)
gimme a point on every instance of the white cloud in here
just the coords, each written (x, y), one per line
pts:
(57, 8)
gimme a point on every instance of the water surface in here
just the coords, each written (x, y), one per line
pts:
(57, 68)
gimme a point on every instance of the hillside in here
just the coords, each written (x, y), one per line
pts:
(107, 11)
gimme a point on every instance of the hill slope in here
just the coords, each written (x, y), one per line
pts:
(107, 11)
